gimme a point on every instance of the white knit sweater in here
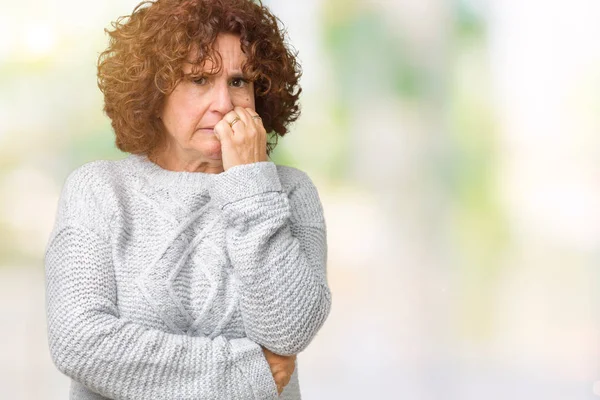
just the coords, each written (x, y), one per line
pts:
(163, 284)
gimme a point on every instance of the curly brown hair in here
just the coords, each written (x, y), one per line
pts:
(147, 49)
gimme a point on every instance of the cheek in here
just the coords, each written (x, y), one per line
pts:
(183, 111)
(246, 101)
(250, 97)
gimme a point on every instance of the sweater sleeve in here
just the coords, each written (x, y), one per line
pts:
(115, 357)
(123, 360)
(277, 245)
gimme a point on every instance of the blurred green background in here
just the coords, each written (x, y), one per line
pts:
(456, 148)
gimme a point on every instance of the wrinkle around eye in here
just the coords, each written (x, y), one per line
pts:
(241, 82)
(201, 80)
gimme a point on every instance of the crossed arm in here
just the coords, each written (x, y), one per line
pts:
(123, 360)
(277, 245)
(278, 253)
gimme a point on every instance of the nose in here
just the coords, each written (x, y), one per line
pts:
(222, 101)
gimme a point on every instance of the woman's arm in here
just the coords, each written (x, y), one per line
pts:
(122, 360)
(277, 245)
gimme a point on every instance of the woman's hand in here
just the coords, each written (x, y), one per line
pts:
(282, 368)
(243, 138)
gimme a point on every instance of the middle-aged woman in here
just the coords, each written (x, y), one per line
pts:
(195, 268)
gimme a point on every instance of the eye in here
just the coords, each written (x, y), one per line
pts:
(201, 80)
(239, 82)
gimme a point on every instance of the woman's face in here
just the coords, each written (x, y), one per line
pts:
(196, 105)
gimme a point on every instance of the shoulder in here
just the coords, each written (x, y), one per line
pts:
(95, 179)
(88, 196)
(292, 177)
(90, 175)
(302, 193)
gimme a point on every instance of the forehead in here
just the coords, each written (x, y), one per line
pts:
(227, 56)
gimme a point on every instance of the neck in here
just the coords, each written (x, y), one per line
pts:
(173, 163)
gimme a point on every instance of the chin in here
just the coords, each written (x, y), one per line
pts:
(213, 152)
(208, 149)
(214, 156)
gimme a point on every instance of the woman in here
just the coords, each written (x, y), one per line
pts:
(195, 268)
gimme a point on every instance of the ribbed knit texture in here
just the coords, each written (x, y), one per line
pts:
(163, 284)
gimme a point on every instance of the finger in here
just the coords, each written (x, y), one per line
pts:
(282, 378)
(285, 380)
(282, 366)
(247, 118)
(255, 117)
(257, 122)
(223, 131)
(281, 386)
(277, 369)
(234, 120)
(252, 112)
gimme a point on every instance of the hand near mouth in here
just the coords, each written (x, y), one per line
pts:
(243, 137)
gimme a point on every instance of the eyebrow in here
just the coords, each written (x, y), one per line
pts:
(237, 73)
(233, 75)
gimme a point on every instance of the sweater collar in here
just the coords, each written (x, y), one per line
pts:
(156, 173)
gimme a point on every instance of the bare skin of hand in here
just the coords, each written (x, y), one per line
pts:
(244, 141)
(282, 368)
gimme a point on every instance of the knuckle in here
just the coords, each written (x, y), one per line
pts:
(282, 378)
(222, 134)
(279, 373)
